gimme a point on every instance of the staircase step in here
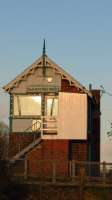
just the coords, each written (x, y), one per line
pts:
(26, 150)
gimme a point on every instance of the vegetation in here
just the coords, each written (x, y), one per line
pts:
(3, 128)
(109, 133)
(4, 138)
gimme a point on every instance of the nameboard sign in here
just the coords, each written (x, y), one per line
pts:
(40, 89)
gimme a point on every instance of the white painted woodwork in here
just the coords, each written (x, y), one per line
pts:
(20, 125)
(72, 117)
(37, 79)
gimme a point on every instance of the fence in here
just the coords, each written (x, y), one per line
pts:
(63, 171)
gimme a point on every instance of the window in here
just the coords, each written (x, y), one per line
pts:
(27, 105)
(52, 106)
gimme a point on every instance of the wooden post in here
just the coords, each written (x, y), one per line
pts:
(26, 168)
(70, 168)
(19, 147)
(73, 170)
(104, 172)
(82, 179)
(54, 172)
(82, 176)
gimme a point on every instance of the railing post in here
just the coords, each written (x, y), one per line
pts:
(54, 172)
(42, 125)
(73, 170)
(19, 147)
(34, 137)
(104, 172)
(70, 168)
(82, 182)
(26, 168)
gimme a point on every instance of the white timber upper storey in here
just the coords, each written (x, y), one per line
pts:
(36, 95)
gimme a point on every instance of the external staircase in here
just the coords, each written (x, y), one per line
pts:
(36, 142)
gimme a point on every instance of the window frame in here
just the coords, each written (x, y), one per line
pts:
(51, 97)
(26, 116)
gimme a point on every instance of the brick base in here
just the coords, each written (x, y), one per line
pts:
(39, 158)
(49, 150)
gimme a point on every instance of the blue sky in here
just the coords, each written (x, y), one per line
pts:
(79, 38)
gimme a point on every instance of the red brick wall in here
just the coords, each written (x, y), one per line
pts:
(79, 150)
(65, 87)
(18, 141)
(49, 150)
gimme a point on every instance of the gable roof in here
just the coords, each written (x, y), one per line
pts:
(49, 63)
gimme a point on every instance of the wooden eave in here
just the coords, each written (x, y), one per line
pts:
(49, 63)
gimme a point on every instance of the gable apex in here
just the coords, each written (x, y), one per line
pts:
(49, 63)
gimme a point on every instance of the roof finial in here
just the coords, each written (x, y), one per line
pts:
(44, 48)
(43, 58)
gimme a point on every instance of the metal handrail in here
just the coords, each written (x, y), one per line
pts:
(30, 127)
(19, 146)
(36, 132)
